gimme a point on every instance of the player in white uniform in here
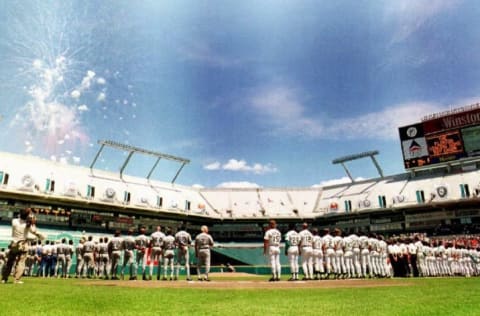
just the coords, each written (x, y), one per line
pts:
(317, 245)
(156, 253)
(183, 240)
(329, 251)
(103, 258)
(271, 248)
(292, 240)
(364, 254)
(306, 251)
(339, 262)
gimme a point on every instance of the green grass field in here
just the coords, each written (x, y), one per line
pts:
(441, 296)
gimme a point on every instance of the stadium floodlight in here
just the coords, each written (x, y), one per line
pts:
(132, 150)
(371, 154)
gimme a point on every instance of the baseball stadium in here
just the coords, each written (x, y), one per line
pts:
(254, 157)
(436, 198)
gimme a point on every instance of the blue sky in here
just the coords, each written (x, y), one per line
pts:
(254, 93)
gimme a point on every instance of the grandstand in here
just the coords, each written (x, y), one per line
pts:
(435, 195)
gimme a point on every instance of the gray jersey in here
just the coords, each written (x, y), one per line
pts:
(169, 242)
(128, 243)
(182, 238)
(115, 244)
(157, 239)
(203, 241)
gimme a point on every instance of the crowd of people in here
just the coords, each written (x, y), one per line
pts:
(333, 254)
(324, 254)
(108, 258)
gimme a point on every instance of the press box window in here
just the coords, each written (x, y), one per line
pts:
(382, 201)
(348, 205)
(159, 201)
(90, 191)
(126, 197)
(420, 196)
(50, 185)
(464, 190)
(4, 178)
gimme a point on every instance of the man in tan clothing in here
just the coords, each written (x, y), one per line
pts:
(23, 231)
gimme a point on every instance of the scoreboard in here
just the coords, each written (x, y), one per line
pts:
(441, 138)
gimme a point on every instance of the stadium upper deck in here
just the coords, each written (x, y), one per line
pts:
(83, 198)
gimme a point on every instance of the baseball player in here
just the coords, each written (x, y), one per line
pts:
(79, 258)
(62, 249)
(203, 244)
(115, 253)
(182, 242)
(128, 246)
(103, 260)
(156, 253)
(306, 251)
(292, 240)
(141, 244)
(317, 245)
(271, 247)
(329, 251)
(89, 257)
(68, 256)
(338, 244)
(168, 250)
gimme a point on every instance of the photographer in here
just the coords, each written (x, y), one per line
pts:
(23, 231)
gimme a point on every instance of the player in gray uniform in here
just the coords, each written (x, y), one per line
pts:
(79, 258)
(168, 254)
(271, 247)
(115, 254)
(62, 249)
(142, 243)
(128, 247)
(203, 244)
(31, 259)
(156, 243)
(103, 258)
(306, 252)
(183, 240)
(89, 257)
(69, 256)
(292, 240)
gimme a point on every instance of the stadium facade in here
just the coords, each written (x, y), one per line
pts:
(439, 194)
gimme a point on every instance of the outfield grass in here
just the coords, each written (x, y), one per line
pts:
(442, 296)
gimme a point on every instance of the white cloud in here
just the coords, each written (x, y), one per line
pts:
(197, 186)
(331, 182)
(213, 166)
(83, 108)
(101, 96)
(76, 159)
(282, 110)
(238, 185)
(75, 94)
(101, 81)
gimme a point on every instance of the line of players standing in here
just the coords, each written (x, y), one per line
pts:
(120, 255)
(360, 256)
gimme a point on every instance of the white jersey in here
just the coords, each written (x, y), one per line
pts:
(317, 242)
(273, 236)
(328, 241)
(293, 238)
(306, 238)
